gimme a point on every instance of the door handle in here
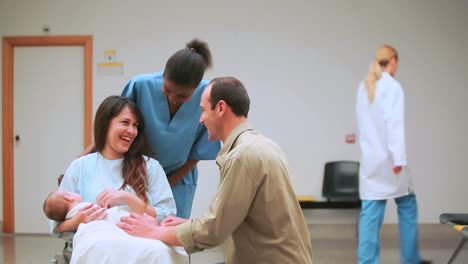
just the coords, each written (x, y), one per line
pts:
(17, 138)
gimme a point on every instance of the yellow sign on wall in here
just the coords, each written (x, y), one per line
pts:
(110, 66)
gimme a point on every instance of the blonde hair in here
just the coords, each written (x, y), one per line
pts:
(383, 56)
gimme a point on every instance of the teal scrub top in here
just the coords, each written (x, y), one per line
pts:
(174, 140)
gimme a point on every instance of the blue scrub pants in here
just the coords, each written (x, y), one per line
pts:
(371, 217)
(183, 196)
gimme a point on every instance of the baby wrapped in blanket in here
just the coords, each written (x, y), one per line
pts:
(101, 241)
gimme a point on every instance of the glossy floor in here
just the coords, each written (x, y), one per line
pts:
(331, 243)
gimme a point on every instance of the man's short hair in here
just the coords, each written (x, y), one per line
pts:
(233, 92)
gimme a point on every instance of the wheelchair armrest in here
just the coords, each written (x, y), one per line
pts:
(458, 219)
(59, 179)
(67, 236)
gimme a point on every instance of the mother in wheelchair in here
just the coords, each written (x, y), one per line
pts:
(120, 174)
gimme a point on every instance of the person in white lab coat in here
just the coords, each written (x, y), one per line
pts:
(383, 171)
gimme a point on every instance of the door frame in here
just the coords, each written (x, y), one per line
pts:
(9, 43)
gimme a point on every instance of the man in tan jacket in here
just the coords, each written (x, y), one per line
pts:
(255, 211)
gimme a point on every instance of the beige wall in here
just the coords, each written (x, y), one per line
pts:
(302, 62)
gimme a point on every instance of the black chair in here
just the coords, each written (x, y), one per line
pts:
(460, 222)
(341, 181)
(341, 186)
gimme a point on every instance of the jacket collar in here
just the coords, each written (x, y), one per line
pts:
(229, 142)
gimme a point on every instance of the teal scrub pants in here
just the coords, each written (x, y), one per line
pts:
(370, 222)
(183, 196)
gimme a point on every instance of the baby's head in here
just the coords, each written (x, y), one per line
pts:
(58, 204)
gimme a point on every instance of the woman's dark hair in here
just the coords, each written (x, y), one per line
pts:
(233, 92)
(187, 66)
(134, 171)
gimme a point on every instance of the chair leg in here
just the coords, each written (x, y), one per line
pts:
(357, 224)
(457, 250)
(67, 251)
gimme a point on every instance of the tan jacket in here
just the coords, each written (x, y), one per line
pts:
(255, 210)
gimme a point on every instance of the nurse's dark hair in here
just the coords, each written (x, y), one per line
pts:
(134, 171)
(233, 92)
(187, 66)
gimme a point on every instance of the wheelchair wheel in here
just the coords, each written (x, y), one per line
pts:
(59, 259)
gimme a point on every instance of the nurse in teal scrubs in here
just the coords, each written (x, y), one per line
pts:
(170, 103)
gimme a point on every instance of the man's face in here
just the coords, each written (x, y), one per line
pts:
(209, 117)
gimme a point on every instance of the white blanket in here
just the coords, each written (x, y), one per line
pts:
(105, 243)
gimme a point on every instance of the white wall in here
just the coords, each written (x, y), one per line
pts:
(301, 62)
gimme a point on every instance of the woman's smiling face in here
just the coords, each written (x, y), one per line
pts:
(123, 129)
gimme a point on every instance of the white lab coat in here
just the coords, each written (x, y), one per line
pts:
(382, 141)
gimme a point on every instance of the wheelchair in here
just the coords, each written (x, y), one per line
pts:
(65, 257)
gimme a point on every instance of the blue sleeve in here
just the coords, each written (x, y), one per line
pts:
(203, 149)
(160, 193)
(130, 90)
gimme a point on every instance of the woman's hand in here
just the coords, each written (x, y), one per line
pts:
(173, 221)
(86, 214)
(109, 197)
(397, 169)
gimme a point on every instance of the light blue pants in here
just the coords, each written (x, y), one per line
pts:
(370, 221)
(183, 196)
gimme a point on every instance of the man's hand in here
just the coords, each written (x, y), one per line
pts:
(397, 169)
(139, 225)
(146, 226)
(173, 221)
(109, 197)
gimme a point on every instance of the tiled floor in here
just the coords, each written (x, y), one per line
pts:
(331, 243)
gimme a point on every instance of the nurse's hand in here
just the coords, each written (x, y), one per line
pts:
(89, 149)
(109, 197)
(175, 177)
(397, 169)
(173, 221)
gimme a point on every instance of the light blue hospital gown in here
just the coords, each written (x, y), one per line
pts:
(174, 140)
(91, 174)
